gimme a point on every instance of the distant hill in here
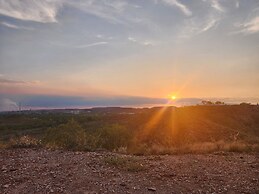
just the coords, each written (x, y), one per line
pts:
(163, 126)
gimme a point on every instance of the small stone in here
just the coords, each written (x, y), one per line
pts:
(151, 189)
(6, 185)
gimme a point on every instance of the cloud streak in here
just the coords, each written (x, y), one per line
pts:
(179, 5)
(47, 11)
(210, 24)
(143, 43)
(12, 81)
(91, 45)
(37, 11)
(216, 5)
(250, 27)
(15, 26)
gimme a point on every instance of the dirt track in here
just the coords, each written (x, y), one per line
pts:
(44, 171)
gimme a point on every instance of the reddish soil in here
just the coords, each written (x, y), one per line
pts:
(45, 171)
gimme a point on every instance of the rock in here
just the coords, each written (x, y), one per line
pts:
(151, 188)
(6, 186)
(123, 184)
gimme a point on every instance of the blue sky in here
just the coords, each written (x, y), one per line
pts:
(132, 48)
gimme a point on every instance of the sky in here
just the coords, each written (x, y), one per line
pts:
(127, 51)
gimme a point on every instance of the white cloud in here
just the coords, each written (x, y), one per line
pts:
(91, 45)
(46, 11)
(195, 26)
(76, 46)
(132, 39)
(99, 36)
(110, 10)
(148, 43)
(237, 4)
(38, 11)
(216, 5)
(103, 37)
(179, 5)
(143, 43)
(15, 26)
(210, 24)
(249, 27)
(8, 81)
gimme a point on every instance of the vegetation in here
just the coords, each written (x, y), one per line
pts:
(196, 129)
(125, 163)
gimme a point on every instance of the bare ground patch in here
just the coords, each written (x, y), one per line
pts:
(45, 171)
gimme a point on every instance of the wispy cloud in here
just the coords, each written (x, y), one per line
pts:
(15, 26)
(108, 10)
(10, 81)
(47, 11)
(237, 4)
(91, 45)
(197, 24)
(13, 81)
(148, 43)
(249, 27)
(194, 26)
(210, 24)
(179, 5)
(78, 46)
(104, 37)
(38, 11)
(132, 39)
(216, 5)
(139, 42)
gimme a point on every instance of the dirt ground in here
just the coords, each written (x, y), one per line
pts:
(46, 171)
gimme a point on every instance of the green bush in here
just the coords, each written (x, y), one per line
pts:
(72, 136)
(67, 136)
(113, 137)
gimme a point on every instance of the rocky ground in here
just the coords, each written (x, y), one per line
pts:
(45, 171)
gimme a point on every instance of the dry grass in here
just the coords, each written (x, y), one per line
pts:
(3, 145)
(125, 163)
(197, 148)
(23, 142)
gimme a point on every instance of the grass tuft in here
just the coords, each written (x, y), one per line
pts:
(125, 163)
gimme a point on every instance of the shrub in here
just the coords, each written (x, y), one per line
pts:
(24, 142)
(67, 136)
(125, 163)
(113, 137)
(238, 147)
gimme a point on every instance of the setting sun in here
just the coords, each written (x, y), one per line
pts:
(173, 97)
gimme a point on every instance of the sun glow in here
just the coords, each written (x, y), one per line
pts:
(173, 97)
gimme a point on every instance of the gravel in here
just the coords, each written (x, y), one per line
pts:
(47, 171)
